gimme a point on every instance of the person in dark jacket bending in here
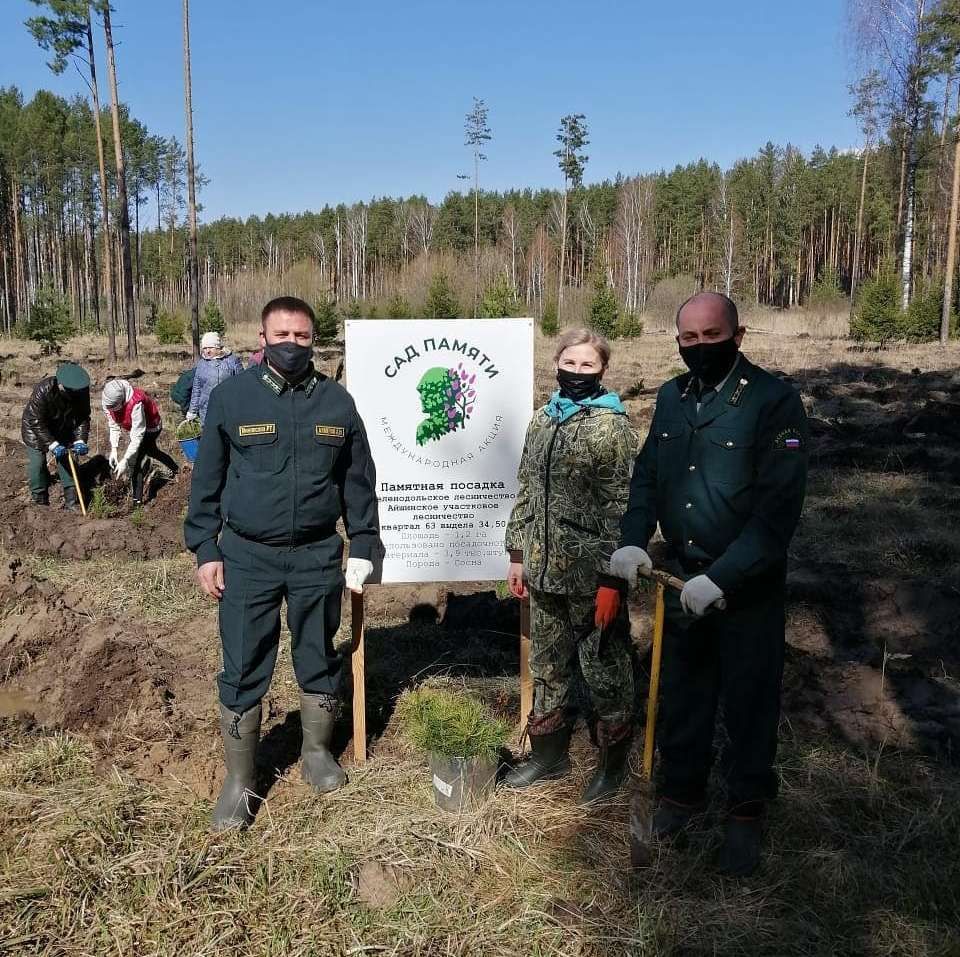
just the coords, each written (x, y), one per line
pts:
(282, 458)
(723, 472)
(56, 421)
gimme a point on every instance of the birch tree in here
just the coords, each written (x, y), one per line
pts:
(890, 37)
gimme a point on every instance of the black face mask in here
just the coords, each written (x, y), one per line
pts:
(578, 386)
(288, 358)
(79, 401)
(710, 361)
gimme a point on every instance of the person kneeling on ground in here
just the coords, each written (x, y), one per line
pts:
(135, 412)
(56, 421)
(285, 448)
(723, 472)
(574, 479)
(214, 365)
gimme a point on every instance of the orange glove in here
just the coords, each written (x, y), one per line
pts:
(608, 605)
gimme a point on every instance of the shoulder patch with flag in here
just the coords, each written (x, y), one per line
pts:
(788, 440)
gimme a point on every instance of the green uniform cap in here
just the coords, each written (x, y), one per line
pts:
(72, 376)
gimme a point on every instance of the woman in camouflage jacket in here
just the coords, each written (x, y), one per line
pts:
(574, 483)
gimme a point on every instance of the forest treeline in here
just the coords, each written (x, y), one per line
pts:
(775, 229)
(766, 230)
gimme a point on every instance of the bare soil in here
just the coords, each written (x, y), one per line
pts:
(873, 616)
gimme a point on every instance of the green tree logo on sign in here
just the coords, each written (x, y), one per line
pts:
(447, 398)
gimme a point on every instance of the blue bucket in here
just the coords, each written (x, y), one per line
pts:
(189, 448)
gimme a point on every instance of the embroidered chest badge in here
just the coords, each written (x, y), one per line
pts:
(788, 440)
(261, 428)
(335, 431)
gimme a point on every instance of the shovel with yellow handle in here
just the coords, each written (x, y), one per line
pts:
(641, 806)
(76, 482)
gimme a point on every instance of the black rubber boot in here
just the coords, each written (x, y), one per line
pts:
(70, 500)
(549, 759)
(40, 498)
(671, 817)
(611, 771)
(238, 799)
(318, 714)
(740, 851)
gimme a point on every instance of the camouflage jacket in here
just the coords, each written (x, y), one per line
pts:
(574, 484)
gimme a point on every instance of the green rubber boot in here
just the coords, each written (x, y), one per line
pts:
(611, 771)
(238, 799)
(549, 759)
(318, 715)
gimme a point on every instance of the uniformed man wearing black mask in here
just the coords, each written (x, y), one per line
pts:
(283, 457)
(723, 472)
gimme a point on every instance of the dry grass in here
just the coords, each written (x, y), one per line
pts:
(861, 848)
(161, 590)
(861, 861)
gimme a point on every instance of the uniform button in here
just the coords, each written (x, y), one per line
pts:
(689, 504)
(692, 468)
(729, 444)
(664, 435)
(690, 542)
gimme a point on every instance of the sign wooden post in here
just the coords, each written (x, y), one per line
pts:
(359, 680)
(526, 684)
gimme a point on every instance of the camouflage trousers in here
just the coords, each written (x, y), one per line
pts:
(565, 646)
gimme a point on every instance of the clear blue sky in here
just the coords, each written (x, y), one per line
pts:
(302, 102)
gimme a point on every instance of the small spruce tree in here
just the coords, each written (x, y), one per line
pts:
(398, 308)
(49, 322)
(325, 328)
(604, 308)
(212, 319)
(550, 321)
(499, 300)
(441, 302)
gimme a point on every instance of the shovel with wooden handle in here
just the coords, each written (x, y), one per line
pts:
(358, 667)
(76, 482)
(641, 807)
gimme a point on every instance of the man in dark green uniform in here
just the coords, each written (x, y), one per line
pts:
(56, 421)
(723, 472)
(283, 457)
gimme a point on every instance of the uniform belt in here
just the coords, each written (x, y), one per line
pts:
(309, 538)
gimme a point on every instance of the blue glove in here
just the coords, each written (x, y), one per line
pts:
(59, 451)
(81, 448)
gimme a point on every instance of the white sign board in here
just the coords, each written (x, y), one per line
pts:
(446, 404)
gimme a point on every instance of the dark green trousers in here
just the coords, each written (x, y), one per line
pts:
(733, 659)
(258, 579)
(39, 477)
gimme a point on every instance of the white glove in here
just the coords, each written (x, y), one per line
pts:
(120, 470)
(191, 416)
(698, 595)
(358, 571)
(626, 563)
(114, 458)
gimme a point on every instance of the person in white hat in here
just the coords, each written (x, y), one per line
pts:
(135, 412)
(214, 365)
